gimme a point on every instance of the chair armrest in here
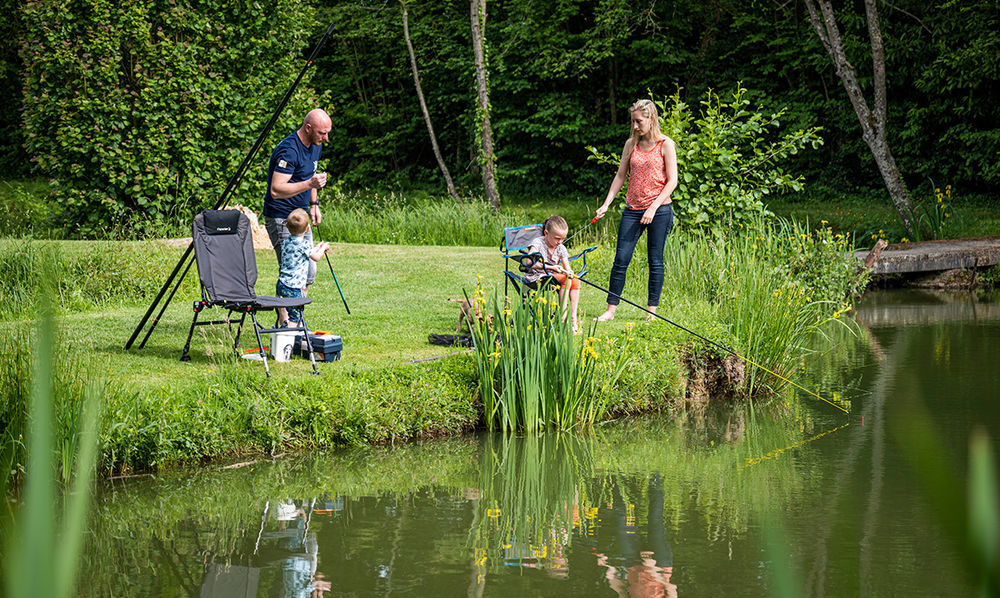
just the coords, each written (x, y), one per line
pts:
(526, 261)
(582, 255)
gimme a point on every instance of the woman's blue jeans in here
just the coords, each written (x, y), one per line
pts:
(629, 230)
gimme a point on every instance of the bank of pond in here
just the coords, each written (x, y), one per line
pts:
(757, 295)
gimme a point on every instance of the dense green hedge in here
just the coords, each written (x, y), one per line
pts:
(148, 107)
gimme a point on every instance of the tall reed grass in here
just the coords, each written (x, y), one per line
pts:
(391, 219)
(386, 218)
(41, 556)
(68, 384)
(533, 373)
(101, 274)
(769, 287)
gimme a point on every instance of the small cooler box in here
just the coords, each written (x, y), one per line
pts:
(326, 347)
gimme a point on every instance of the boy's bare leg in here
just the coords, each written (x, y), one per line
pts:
(574, 301)
(282, 315)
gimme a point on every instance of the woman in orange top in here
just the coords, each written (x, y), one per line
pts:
(649, 164)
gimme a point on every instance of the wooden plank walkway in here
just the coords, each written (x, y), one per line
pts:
(932, 256)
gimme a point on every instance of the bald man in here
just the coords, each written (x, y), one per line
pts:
(292, 180)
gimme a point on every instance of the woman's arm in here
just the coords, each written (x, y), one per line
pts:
(619, 181)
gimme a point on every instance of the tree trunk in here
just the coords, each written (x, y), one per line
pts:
(486, 158)
(423, 108)
(873, 123)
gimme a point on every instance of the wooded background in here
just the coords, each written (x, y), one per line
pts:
(147, 106)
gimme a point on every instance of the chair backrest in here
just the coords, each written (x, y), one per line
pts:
(223, 248)
(516, 238)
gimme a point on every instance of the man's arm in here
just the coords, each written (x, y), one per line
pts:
(282, 189)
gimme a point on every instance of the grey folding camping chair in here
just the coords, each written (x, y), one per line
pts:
(514, 247)
(223, 249)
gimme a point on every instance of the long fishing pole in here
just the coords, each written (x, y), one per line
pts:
(592, 220)
(233, 181)
(332, 273)
(165, 304)
(713, 343)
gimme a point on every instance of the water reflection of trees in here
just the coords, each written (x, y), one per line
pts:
(547, 503)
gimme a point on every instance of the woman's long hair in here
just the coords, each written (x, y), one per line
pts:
(648, 109)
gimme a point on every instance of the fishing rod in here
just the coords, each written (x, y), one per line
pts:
(711, 342)
(332, 273)
(233, 182)
(586, 226)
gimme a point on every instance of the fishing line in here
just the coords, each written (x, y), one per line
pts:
(711, 342)
(750, 461)
(592, 220)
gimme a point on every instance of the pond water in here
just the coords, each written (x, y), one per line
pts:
(793, 498)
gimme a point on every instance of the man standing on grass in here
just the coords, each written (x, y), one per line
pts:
(292, 183)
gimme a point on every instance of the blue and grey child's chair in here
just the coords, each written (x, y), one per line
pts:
(514, 247)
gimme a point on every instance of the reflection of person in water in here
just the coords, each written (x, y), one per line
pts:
(648, 562)
(299, 578)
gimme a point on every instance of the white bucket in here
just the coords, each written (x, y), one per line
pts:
(281, 345)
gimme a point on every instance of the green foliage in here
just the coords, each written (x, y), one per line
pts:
(949, 130)
(233, 408)
(819, 259)
(727, 158)
(562, 75)
(41, 557)
(12, 160)
(24, 209)
(140, 111)
(97, 275)
(532, 373)
(766, 289)
(379, 137)
(928, 216)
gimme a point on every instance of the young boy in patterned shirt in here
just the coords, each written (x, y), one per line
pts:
(296, 252)
(555, 264)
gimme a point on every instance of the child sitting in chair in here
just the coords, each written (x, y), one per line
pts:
(555, 263)
(296, 252)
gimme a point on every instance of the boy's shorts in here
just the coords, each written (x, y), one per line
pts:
(294, 313)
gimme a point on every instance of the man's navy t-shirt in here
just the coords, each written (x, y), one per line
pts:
(294, 158)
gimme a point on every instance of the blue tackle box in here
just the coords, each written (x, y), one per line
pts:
(326, 347)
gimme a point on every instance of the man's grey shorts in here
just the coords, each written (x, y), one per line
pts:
(278, 232)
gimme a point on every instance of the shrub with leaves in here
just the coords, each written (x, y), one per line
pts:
(140, 111)
(728, 158)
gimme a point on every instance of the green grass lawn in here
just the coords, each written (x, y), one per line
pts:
(398, 295)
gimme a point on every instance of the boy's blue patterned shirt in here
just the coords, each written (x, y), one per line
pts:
(295, 262)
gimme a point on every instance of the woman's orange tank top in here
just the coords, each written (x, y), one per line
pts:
(647, 175)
